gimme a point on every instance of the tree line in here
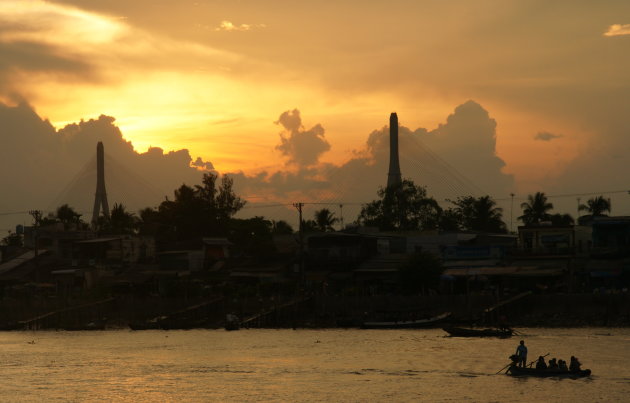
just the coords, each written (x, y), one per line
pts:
(208, 210)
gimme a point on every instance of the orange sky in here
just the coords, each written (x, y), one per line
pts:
(213, 76)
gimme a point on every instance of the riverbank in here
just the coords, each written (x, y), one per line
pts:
(546, 310)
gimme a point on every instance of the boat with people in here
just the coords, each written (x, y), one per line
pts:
(406, 324)
(514, 370)
(553, 369)
(470, 332)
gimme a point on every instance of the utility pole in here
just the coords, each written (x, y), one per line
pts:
(37, 218)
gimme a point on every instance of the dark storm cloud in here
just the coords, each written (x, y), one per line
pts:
(44, 167)
(302, 147)
(546, 136)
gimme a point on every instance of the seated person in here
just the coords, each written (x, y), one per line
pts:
(574, 365)
(562, 365)
(541, 364)
(553, 364)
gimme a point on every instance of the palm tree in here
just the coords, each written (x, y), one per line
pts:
(596, 206)
(121, 221)
(325, 220)
(479, 214)
(536, 209)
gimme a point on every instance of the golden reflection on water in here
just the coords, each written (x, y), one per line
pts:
(302, 365)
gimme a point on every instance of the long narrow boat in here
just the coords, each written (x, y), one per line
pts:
(468, 332)
(406, 324)
(546, 373)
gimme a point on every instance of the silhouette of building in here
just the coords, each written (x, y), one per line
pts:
(100, 197)
(393, 176)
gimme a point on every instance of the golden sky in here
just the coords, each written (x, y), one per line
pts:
(214, 76)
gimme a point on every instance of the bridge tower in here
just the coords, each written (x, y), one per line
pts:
(393, 176)
(100, 197)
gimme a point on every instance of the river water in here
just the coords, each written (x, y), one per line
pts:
(303, 366)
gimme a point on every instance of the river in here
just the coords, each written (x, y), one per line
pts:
(303, 366)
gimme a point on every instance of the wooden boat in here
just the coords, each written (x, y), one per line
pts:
(469, 332)
(547, 373)
(406, 324)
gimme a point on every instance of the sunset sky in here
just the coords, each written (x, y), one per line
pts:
(214, 77)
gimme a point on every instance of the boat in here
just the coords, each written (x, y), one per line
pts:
(514, 370)
(406, 324)
(469, 332)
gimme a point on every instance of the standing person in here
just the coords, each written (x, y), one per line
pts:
(521, 353)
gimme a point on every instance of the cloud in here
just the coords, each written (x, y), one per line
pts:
(229, 26)
(617, 30)
(302, 147)
(204, 165)
(60, 168)
(57, 166)
(546, 136)
(455, 159)
(59, 41)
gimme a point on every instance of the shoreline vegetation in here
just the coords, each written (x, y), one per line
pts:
(319, 311)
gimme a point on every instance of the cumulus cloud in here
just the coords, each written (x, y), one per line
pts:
(301, 147)
(455, 159)
(229, 26)
(546, 136)
(50, 166)
(617, 30)
(204, 165)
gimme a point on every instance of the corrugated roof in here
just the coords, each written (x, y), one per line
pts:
(15, 262)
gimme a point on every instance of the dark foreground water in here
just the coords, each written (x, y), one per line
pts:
(303, 365)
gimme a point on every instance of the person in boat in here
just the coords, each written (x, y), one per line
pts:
(553, 364)
(541, 364)
(521, 353)
(562, 365)
(574, 365)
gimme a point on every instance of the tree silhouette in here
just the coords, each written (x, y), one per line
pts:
(121, 221)
(281, 227)
(68, 216)
(309, 226)
(535, 209)
(195, 212)
(561, 219)
(596, 206)
(479, 214)
(325, 219)
(404, 206)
